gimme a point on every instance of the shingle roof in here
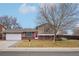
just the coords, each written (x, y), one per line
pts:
(19, 30)
(41, 25)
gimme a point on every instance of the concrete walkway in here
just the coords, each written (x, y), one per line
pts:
(6, 44)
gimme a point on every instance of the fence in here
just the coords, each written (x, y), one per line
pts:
(48, 36)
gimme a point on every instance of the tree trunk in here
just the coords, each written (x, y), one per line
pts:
(54, 38)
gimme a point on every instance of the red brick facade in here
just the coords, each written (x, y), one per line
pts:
(25, 36)
(2, 28)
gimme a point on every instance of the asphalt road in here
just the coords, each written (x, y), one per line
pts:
(25, 53)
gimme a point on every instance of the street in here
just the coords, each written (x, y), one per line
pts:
(41, 53)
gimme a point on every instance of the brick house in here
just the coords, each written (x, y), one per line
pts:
(20, 34)
(17, 34)
(43, 31)
(2, 28)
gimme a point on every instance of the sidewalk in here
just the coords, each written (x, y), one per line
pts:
(41, 49)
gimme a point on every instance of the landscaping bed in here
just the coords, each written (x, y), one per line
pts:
(46, 43)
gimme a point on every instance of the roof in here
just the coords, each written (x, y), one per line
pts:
(41, 25)
(3, 26)
(57, 34)
(19, 30)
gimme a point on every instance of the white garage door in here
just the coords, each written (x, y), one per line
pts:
(13, 36)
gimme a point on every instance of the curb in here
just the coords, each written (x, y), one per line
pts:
(42, 49)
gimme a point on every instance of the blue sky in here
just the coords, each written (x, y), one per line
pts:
(25, 13)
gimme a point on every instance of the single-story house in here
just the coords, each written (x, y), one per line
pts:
(20, 34)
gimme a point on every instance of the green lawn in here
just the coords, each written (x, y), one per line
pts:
(47, 43)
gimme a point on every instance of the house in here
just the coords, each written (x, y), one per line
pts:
(44, 29)
(46, 32)
(2, 28)
(20, 34)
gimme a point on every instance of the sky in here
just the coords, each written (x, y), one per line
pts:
(26, 14)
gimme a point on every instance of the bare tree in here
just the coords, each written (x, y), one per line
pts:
(59, 16)
(10, 22)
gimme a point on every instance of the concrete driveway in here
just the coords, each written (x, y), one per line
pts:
(6, 44)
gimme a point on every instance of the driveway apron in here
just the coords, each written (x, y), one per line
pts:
(6, 44)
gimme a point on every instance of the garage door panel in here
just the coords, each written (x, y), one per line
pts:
(13, 36)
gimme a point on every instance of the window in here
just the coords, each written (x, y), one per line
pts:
(46, 30)
(29, 34)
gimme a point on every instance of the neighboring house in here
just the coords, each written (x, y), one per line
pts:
(20, 34)
(2, 28)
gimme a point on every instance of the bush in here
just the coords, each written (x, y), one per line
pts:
(58, 39)
(64, 39)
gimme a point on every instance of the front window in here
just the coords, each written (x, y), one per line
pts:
(29, 34)
(46, 30)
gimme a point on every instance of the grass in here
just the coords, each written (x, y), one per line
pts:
(47, 43)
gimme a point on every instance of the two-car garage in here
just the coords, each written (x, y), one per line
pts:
(13, 36)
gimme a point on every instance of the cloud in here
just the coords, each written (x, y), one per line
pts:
(24, 9)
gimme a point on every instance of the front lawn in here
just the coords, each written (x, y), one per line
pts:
(47, 43)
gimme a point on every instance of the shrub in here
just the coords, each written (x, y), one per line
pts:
(64, 39)
(58, 39)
